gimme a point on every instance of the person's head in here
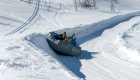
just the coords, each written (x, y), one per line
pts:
(73, 35)
(64, 32)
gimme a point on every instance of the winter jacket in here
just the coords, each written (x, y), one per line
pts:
(71, 41)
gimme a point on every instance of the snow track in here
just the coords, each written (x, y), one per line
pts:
(38, 39)
(99, 37)
(113, 45)
(30, 21)
(56, 10)
(96, 29)
(110, 49)
(100, 40)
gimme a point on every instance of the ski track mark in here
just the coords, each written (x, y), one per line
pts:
(57, 24)
(34, 15)
(49, 20)
(56, 15)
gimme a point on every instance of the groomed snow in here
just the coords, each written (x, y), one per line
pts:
(110, 42)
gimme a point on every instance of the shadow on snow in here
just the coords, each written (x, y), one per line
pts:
(71, 63)
(74, 63)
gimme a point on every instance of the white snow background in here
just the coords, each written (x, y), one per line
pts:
(110, 41)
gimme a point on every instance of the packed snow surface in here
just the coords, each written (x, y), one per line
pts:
(110, 41)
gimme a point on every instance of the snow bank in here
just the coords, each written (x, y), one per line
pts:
(39, 41)
(100, 26)
(128, 44)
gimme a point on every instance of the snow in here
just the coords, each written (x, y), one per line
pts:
(110, 42)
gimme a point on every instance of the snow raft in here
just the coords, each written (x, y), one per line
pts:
(63, 47)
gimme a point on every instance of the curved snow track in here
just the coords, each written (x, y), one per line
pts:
(115, 56)
(97, 54)
(106, 51)
(55, 21)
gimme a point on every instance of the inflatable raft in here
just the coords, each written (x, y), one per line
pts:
(62, 47)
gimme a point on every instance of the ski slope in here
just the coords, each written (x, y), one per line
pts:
(110, 42)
